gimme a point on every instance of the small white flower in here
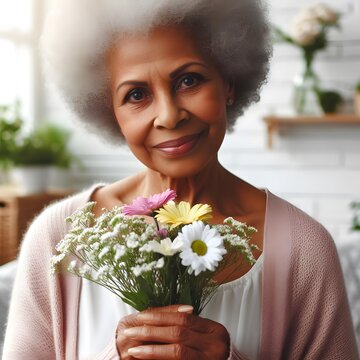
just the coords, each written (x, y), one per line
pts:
(120, 251)
(103, 271)
(202, 247)
(85, 270)
(107, 236)
(104, 251)
(160, 263)
(132, 240)
(55, 260)
(132, 244)
(137, 270)
(72, 266)
(80, 247)
(164, 247)
(95, 246)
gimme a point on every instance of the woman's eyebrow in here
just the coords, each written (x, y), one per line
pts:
(176, 72)
(131, 82)
(173, 75)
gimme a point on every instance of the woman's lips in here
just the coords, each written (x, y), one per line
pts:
(179, 146)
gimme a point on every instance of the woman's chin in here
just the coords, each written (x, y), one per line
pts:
(185, 167)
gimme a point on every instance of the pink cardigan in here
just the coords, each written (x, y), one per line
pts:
(305, 311)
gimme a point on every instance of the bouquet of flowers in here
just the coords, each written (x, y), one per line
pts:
(309, 33)
(170, 260)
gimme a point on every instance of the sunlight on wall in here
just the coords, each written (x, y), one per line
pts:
(16, 47)
(16, 15)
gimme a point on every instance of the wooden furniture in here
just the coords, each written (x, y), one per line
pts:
(274, 123)
(16, 212)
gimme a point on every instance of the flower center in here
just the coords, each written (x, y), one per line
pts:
(199, 247)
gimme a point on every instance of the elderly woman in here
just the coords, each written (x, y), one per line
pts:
(169, 77)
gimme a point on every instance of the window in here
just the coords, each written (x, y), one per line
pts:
(19, 60)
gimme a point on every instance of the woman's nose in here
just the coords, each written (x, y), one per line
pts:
(169, 114)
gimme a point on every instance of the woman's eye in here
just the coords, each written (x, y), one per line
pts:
(135, 95)
(189, 80)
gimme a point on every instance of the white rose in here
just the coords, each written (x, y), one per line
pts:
(305, 31)
(326, 14)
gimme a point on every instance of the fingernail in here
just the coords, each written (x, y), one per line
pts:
(134, 351)
(185, 308)
(145, 316)
(130, 332)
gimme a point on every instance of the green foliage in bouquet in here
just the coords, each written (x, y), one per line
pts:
(357, 87)
(172, 260)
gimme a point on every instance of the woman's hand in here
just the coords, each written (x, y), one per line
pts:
(166, 333)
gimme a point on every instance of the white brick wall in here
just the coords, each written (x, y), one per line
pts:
(316, 168)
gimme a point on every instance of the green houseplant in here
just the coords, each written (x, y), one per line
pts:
(329, 100)
(10, 126)
(357, 99)
(46, 145)
(31, 155)
(37, 152)
(355, 206)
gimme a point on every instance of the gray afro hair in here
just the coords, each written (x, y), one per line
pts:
(77, 34)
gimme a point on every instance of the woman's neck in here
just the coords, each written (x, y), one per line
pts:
(204, 187)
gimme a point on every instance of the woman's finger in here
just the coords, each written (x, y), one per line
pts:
(177, 319)
(163, 334)
(172, 308)
(169, 352)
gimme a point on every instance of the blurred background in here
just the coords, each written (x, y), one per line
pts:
(315, 166)
(302, 155)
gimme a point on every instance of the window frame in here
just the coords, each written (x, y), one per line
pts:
(31, 40)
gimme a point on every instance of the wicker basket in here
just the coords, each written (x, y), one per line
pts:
(16, 213)
(8, 230)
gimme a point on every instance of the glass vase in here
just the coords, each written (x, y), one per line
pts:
(305, 100)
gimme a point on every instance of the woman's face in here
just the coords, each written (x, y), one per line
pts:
(169, 100)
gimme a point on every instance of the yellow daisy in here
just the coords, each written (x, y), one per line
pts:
(182, 213)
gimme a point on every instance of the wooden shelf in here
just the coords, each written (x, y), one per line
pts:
(274, 123)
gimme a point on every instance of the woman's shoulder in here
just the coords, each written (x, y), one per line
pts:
(306, 233)
(50, 225)
(66, 206)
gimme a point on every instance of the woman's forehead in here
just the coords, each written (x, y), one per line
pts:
(162, 44)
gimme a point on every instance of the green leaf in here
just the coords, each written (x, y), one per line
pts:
(138, 307)
(146, 289)
(185, 294)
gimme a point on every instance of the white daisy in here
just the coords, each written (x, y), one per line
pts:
(164, 247)
(202, 247)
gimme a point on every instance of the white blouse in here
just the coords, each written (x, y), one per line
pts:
(236, 305)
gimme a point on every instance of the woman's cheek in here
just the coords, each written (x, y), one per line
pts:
(209, 107)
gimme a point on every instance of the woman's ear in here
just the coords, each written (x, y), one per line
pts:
(230, 92)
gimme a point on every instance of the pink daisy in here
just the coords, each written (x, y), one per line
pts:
(146, 206)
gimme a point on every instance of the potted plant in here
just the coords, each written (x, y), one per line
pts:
(357, 99)
(10, 125)
(329, 100)
(37, 152)
(31, 156)
(355, 226)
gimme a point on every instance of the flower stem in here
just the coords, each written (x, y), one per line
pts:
(157, 224)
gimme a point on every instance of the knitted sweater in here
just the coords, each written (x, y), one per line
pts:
(305, 311)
